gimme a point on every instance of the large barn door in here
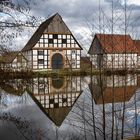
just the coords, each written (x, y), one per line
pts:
(57, 61)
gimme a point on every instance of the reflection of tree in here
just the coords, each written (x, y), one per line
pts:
(88, 117)
(24, 127)
(11, 24)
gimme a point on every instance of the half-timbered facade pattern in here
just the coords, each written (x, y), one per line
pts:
(137, 44)
(113, 51)
(53, 46)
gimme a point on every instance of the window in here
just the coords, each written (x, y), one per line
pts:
(50, 36)
(45, 36)
(40, 52)
(40, 61)
(59, 36)
(73, 62)
(64, 41)
(41, 40)
(55, 36)
(51, 101)
(73, 51)
(50, 40)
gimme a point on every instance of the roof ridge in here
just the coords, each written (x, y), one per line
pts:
(112, 34)
(40, 29)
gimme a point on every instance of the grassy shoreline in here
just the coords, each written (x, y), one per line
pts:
(59, 73)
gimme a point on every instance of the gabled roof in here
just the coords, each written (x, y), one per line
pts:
(8, 57)
(115, 43)
(137, 44)
(38, 33)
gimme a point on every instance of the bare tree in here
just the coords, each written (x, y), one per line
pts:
(11, 23)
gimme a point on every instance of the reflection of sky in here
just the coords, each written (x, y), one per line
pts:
(27, 109)
(136, 2)
(12, 101)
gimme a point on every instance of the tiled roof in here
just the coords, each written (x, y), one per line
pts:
(137, 44)
(116, 43)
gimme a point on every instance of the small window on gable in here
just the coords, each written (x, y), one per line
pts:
(64, 41)
(40, 61)
(55, 36)
(73, 51)
(50, 36)
(41, 40)
(50, 40)
(40, 52)
(64, 36)
(68, 36)
(59, 36)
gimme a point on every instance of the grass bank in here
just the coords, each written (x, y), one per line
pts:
(59, 73)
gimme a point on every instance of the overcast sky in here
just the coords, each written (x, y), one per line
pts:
(82, 17)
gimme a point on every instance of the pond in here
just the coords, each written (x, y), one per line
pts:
(69, 108)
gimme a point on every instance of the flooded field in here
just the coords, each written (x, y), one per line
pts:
(70, 108)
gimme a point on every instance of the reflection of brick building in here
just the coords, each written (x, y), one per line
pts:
(56, 96)
(124, 88)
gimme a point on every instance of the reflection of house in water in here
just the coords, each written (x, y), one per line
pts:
(56, 96)
(13, 86)
(122, 88)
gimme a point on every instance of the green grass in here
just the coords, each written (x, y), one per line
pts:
(64, 72)
(133, 138)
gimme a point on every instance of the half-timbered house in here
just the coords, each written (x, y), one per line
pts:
(137, 44)
(53, 46)
(113, 51)
(13, 61)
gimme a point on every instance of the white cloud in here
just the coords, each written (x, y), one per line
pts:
(76, 14)
(136, 2)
